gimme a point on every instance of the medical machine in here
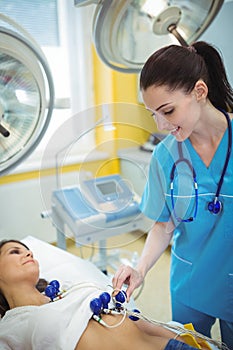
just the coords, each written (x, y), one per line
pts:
(97, 209)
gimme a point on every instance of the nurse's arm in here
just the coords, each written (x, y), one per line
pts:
(156, 243)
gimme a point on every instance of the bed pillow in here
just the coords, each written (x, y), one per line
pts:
(63, 266)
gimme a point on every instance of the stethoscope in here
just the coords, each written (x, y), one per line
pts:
(215, 206)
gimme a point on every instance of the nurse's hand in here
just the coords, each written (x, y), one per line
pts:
(126, 275)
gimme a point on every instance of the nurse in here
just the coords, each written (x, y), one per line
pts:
(189, 192)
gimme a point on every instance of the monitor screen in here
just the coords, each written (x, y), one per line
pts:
(107, 187)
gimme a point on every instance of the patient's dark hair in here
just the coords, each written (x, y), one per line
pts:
(41, 284)
(181, 67)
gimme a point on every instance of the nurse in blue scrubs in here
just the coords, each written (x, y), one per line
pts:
(189, 192)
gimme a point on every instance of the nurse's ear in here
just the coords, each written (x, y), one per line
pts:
(200, 90)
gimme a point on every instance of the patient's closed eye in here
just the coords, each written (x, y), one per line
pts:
(15, 251)
(18, 250)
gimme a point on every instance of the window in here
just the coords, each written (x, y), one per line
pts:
(62, 32)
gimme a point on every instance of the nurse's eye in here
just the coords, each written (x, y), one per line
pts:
(169, 112)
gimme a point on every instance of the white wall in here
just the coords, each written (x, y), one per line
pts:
(22, 204)
(20, 209)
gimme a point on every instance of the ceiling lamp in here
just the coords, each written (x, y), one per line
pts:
(26, 94)
(127, 32)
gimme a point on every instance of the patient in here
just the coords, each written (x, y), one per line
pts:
(31, 321)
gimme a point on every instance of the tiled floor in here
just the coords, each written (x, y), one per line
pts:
(153, 299)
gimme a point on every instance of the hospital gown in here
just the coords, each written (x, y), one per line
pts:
(56, 325)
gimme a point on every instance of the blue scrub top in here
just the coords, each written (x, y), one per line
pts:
(202, 250)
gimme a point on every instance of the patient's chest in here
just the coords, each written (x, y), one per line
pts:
(57, 325)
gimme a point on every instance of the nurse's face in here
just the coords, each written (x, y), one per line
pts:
(17, 265)
(174, 111)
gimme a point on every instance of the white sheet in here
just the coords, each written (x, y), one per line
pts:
(56, 263)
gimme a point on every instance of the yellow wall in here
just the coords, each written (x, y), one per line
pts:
(120, 92)
(112, 86)
(94, 167)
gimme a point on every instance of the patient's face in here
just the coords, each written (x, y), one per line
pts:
(17, 265)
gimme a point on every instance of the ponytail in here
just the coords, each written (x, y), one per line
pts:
(220, 92)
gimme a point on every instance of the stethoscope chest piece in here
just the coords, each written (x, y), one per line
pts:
(215, 207)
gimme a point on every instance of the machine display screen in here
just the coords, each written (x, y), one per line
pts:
(107, 188)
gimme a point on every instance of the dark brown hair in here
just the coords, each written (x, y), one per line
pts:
(4, 241)
(41, 285)
(180, 67)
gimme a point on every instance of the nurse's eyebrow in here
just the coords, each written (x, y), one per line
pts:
(156, 110)
(163, 105)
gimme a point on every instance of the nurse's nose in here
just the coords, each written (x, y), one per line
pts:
(161, 121)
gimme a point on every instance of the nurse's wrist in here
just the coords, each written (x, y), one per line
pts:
(141, 271)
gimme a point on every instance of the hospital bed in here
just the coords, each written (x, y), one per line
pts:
(67, 268)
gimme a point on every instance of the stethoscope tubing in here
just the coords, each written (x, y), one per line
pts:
(172, 175)
(215, 206)
(228, 154)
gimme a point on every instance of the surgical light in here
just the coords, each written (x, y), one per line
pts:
(26, 94)
(127, 32)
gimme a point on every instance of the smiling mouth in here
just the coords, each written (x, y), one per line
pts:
(175, 130)
(29, 261)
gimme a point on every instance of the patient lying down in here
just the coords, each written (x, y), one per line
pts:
(31, 321)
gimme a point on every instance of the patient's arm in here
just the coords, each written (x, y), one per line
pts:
(156, 330)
